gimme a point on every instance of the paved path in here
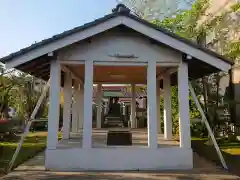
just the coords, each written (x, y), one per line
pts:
(203, 170)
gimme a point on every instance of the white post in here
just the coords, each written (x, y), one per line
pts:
(78, 104)
(159, 130)
(105, 107)
(167, 108)
(133, 107)
(88, 90)
(54, 101)
(99, 105)
(75, 108)
(183, 100)
(80, 108)
(152, 106)
(67, 92)
(124, 109)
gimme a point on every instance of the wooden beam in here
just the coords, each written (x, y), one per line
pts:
(32, 65)
(168, 71)
(66, 69)
(74, 62)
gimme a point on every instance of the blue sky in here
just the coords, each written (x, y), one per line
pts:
(25, 21)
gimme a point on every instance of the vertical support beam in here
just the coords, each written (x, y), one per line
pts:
(54, 101)
(159, 130)
(75, 108)
(133, 107)
(88, 90)
(105, 107)
(99, 105)
(80, 108)
(152, 106)
(78, 103)
(67, 92)
(124, 109)
(183, 95)
(167, 108)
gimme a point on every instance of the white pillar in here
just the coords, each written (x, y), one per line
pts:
(80, 107)
(167, 108)
(133, 107)
(159, 130)
(124, 109)
(67, 92)
(152, 105)
(105, 107)
(99, 105)
(183, 95)
(88, 90)
(54, 101)
(75, 108)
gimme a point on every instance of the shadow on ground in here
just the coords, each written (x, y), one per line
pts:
(162, 175)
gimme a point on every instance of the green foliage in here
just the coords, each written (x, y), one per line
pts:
(198, 130)
(185, 23)
(235, 7)
(233, 49)
(18, 90)
(39, 126)
(7, 83)
(156, 9)
(7, 130)
(189, 24)
(26, 96)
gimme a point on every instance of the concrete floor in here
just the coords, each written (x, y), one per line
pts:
(99, 137)
(203, 170)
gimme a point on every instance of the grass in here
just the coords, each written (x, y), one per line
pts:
(230, 151)
(233, 151)
(232, 148)
(33, 144)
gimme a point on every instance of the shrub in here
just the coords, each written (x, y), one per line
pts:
(7, 130)
(198, 129)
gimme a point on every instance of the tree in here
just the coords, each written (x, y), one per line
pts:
(29, 90)
(157, 9)
(189, 24)
(7, 82)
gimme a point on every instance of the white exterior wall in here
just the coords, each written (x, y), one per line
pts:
(129, 158)
(105, 46)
